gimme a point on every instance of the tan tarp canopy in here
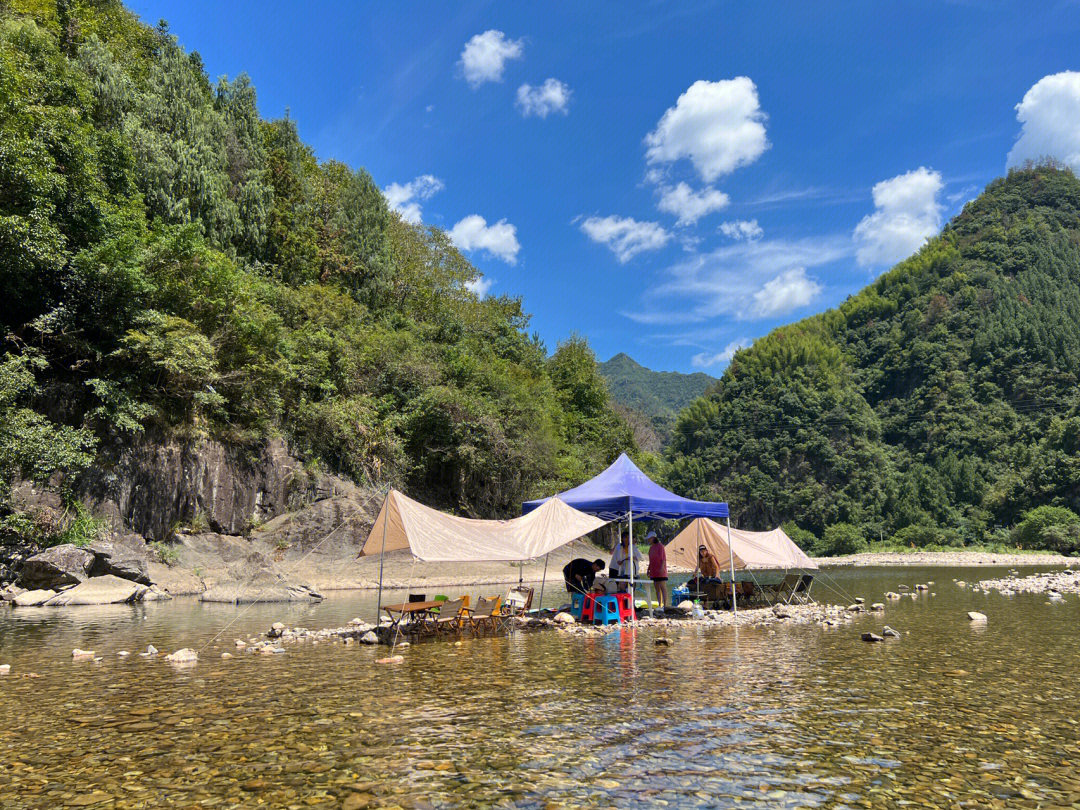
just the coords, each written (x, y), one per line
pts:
(752, 550)
(434, 536)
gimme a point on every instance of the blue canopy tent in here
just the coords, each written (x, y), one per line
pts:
(624, 491)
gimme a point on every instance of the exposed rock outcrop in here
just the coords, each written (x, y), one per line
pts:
(259, 590)
(104, 590)
(124, 556)
(55, 567)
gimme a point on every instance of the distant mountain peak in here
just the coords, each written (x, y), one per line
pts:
(656, 395)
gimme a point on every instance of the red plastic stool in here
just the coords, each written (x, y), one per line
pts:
(588, 609)
(626, 607)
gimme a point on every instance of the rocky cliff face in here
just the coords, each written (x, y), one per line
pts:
(154, 487)
(205, 499)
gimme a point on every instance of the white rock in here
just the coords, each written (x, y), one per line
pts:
(565, 618)
(81, 654)
(226, 655)
(369, 638)
(5, 669)
(183, 656)
(686, 606)
(975, 616)
(240, 644)
(33, 598)
(123, 653)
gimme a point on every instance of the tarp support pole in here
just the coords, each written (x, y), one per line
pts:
(731, 560)
(382, 556)
(540, 604)
(632, 551)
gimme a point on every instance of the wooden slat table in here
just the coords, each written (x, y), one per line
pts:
(410, 613)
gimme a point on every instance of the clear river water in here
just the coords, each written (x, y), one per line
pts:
(949, 715)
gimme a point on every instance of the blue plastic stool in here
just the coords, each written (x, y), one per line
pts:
(577, 603)
(607, 610)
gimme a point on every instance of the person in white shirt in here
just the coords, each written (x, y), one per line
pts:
(621, 559)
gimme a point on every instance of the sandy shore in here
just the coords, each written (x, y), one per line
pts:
(947, 558)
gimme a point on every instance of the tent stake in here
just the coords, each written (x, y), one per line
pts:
(382, 557)
(731, 560)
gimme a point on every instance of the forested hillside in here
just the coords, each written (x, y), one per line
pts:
(174, 265)
(937, 406)
(657, 395)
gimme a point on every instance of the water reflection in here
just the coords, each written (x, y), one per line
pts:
(949, 715)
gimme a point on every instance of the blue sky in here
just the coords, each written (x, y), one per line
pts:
(668, 179)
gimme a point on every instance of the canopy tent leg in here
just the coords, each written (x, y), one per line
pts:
(540, 604)
(731, 560)
(631, 550)
(382, 557)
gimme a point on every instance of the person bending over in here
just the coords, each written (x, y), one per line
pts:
(580, 574)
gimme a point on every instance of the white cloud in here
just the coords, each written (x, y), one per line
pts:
(479, 286)
(1050, 118)
(718, 126)
(499, 240)
(907, 214)
(689, 205)
(405, 197)
(789, 291)
(739, 229)
(485, 56)
(741, 281)
(625, 236)
(552, 96)
(705, 360)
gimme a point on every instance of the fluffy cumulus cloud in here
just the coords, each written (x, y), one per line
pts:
(498, 240)
(742, 229)
(625, 236)
(485, 56)
(551, 97)
(405, 198)
(907, 213)
(718, 126)
(479, 286)
(1050, 117)
(742, 281)
(689, 205)
(706, 359)
(789, 291)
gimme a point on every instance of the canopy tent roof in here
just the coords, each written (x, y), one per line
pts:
(623, 488)
(434, 536)
(752, 550)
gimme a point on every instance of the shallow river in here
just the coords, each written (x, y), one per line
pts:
(950, 715)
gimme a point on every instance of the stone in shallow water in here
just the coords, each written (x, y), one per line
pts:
(34, 598)
(976, 617)
(871, 637)
(183, 656)
(104, 590)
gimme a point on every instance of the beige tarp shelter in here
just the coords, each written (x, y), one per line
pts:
(749, 550)
(434, 536)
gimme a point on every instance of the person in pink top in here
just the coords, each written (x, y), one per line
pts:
(658, 568)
